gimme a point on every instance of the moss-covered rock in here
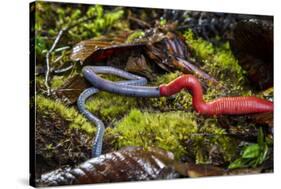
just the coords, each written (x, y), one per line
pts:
(110, 106)
(69, 114)
(172, 131)
(154, 129)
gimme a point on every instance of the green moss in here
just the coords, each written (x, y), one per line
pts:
(40, 44)
(57, 81)
(104, 20)
(52, 17)
(40, 82)
(202, 48)
(219, 60)
(162, 130)
(166, 78)
(109, 106)
(75, 119)
(170, 131)
(135, 35)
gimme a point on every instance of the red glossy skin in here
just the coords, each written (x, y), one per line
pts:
(220, 106)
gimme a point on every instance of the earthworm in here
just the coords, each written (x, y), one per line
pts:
(224, 105)
(220, 106)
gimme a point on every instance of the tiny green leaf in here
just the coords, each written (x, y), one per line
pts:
(236, 164)
(251, 151)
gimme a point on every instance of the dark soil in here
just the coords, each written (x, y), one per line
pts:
(57, 145)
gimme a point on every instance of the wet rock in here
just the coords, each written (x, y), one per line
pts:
(252, 44)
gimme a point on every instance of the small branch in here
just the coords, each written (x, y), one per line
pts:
(140, 22)
(62, 49)
(48, 60)
(47, 76)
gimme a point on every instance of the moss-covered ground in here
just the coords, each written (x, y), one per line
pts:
(169, 123)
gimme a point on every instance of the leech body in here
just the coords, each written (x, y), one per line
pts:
(132, 87)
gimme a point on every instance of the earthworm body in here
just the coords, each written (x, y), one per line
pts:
(133, 87)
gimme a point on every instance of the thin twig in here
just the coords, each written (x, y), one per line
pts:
(58, 58)
(62, 49)
(48, 60)
(47, 76)
(140, 22)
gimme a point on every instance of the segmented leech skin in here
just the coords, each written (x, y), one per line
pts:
(224, 105)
